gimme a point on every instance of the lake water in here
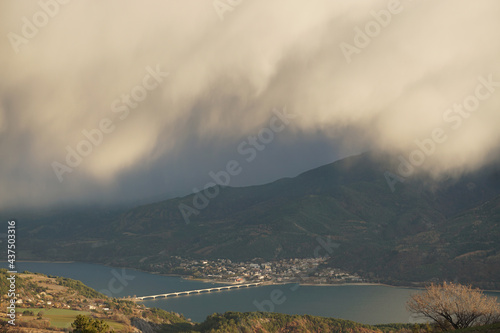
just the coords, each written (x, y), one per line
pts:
(370, 304)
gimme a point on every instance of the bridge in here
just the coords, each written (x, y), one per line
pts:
(198, 291)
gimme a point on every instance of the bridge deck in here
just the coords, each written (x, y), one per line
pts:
(199, 291)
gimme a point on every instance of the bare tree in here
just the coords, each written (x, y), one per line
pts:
(455, 306)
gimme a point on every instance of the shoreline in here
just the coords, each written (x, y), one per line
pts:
(190, 278)
(269, 283)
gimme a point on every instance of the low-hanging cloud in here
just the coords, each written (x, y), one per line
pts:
(406, 64)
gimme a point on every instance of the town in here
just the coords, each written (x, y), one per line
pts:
(305, 271)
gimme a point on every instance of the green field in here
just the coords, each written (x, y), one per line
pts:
(62, 318)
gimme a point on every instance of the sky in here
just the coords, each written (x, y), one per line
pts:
(125, 101)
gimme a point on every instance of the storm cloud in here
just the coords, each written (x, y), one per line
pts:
(168, 90)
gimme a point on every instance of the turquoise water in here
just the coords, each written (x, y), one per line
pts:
(365, 304)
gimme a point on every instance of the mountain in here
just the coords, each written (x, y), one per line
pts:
(422, 231)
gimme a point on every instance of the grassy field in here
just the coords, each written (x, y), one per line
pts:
(62, 318)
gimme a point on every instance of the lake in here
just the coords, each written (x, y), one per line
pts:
(368, 304)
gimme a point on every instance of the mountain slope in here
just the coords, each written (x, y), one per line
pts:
(423, 230)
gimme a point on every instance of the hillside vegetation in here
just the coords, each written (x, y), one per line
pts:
(275, 322)
(48, 303)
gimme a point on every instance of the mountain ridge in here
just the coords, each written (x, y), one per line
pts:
(412, 234)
